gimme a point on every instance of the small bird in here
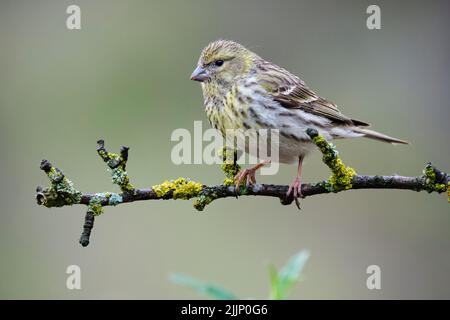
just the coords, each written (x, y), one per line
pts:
(241, 90)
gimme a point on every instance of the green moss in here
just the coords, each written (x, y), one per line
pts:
(448, 192)
(50, 198)
(120, 177)
(182, 188)
(342, 176)
(61, 193)
(202, 201)
(54, 174)
(243, 190)
(67, 190)
(117, 166)
(430, 180)
(95, 205)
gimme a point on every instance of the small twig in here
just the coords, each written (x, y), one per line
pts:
(87, 228)
(62, 192)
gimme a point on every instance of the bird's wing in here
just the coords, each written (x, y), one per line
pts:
(291, 92)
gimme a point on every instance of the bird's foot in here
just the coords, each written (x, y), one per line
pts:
(296, 188)
(248, 174)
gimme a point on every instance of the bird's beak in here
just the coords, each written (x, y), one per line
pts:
(199, 74)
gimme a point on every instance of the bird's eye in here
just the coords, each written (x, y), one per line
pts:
(218, 63)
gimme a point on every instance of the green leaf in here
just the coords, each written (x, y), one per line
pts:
(202, 287)
(273, 274)
(288, 275)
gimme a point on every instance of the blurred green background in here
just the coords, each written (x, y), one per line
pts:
(124, 77)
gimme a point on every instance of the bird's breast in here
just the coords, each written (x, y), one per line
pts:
(228, 110)
(248, 108)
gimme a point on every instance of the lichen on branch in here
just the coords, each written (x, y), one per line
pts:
(342, 176)
(117, 164)
(181, 188)
(433, 179)
(62, 192)
(229, 165)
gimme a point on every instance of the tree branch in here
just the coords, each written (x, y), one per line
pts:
(62, 192)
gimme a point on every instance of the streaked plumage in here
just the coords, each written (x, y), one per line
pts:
(243, 91)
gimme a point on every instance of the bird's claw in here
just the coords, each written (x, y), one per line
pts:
(248, 174)
(296, 189)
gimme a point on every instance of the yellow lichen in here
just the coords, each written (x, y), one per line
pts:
(342, 176)
(228, 182)
(113, 155)
(102, 153)
(162, 189)
(448, 192)
(182, 188)
(229, 166)
(430, 180)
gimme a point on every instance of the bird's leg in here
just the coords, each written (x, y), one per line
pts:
(248, 174)
(296, 185)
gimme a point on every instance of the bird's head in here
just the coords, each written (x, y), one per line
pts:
(222, 62)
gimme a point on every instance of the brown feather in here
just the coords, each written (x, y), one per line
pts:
(292, 93)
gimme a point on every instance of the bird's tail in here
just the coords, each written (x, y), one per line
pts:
(378, 136)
